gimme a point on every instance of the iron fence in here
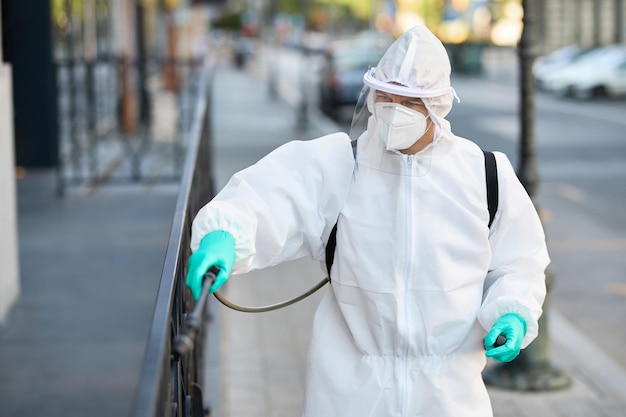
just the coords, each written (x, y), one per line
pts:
(124, 120)
(171, 385)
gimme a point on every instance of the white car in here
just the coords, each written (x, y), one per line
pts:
(601, 72)
(546, 65)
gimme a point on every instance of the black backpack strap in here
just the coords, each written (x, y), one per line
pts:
(491, 177)
(332, 239)
(330, 249)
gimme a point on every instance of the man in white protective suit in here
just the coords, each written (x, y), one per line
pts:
(421, 285)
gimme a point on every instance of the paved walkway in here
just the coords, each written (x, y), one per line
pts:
(90, 265)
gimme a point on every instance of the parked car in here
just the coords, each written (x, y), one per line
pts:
(342, 72)
(599, 72)
(605, 81)
(554, 61)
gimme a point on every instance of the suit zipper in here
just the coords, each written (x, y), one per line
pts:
(407, 274)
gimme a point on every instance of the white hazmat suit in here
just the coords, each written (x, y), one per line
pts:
(418, 276)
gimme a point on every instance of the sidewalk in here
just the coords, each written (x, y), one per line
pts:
(90, 265)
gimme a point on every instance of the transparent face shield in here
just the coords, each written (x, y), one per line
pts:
(372, 146)
(362, 114)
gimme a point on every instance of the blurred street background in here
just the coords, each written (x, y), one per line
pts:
(109, 109)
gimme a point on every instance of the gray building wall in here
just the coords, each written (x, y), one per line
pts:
(585, 22)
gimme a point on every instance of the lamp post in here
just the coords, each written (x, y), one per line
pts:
(531, 370)
(527, 169)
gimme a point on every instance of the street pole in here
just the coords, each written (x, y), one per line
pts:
(527, 169)
(531, 370)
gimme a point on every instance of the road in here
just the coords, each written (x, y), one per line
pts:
(581, 160)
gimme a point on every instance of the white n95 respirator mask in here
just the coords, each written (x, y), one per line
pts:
(399, 127)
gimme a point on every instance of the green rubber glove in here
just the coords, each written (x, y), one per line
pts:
(513, 328)
(216, 249)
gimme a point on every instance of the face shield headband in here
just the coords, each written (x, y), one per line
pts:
(370, 80)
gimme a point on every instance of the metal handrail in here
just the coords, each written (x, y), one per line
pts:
(170, 385)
